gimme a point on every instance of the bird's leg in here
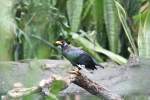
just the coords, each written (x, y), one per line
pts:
(80, 66)
(84, 69)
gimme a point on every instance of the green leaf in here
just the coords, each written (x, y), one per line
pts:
(99, 22)
(112, 25)
(97, 48)
(144, 35)
(56, 87)
(123, 16)
(87, 8)
(74, 10)
(7, 30)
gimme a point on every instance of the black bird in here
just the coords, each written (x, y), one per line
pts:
(77, 56)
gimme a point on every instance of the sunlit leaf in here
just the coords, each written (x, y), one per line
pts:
(97, 48)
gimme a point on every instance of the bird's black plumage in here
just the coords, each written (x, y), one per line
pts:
(77, 56)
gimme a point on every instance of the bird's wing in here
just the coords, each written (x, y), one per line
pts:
(72, 53)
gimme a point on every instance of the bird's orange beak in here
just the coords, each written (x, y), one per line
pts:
(59, 43)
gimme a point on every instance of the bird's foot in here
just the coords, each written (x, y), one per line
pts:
(74, 74)
(75, 71)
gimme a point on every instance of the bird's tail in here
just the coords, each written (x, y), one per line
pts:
(100, 65)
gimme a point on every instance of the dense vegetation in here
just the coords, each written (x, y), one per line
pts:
(104, 28)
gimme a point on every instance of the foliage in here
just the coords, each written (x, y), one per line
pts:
(44, 22)
(110, 25)
(7, 30)
(144, 33)
(123, 16)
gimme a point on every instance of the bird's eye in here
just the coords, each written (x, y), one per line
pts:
(62, 42)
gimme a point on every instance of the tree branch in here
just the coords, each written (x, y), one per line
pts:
(92, 87)
(81, 80)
